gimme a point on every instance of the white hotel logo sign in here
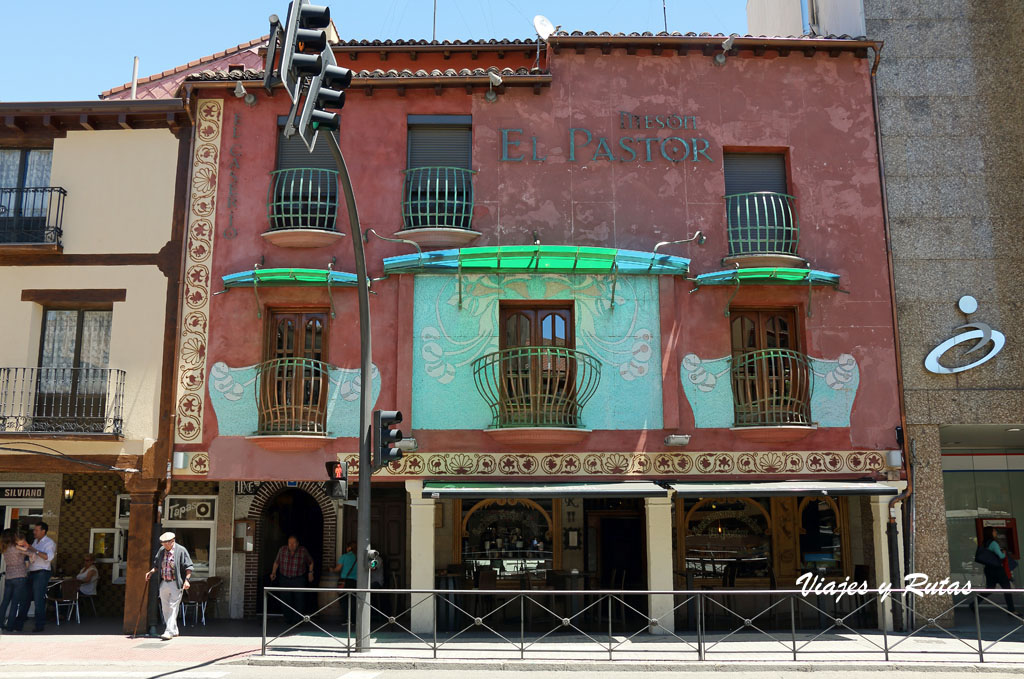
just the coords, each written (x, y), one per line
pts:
(975, 331)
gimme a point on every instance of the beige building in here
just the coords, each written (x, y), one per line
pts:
(91, 205)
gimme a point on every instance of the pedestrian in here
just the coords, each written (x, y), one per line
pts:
(174, 565)
(347, 567)
(292, 562)
(40, 554)
(997, 574)
(14, 550)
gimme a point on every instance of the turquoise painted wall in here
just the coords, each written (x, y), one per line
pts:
(708, 388)
(233, 393)
(447, 339)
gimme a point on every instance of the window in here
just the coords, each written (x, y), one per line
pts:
(760, 212)
(538, 366)
(820, 531)
(25, 194)
(193, 520)
(304, 187)
(770, 377)
(294, 377)
(438, 182)
(74, 381)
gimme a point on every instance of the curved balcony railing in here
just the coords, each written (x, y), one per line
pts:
(762, 223)
(438, 197)
(31, 216)
(302, 198)
(62, 400)
(771, 387)
(537, 386)
(291, 396)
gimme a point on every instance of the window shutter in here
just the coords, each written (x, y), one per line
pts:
(292, 153)
(440, 146)
(747, 172)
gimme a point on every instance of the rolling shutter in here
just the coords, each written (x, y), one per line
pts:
(747, 172)
(292, 153)
(440, 146)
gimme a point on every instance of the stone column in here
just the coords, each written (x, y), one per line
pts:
(659, 563)
(421, 576)
(139, 551)
(879, 521)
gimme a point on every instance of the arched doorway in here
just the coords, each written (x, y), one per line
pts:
(293, 511)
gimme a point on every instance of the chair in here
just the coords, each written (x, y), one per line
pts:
(68, 597)
(196, 598)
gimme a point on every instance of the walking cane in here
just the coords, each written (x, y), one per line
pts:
(145, 591)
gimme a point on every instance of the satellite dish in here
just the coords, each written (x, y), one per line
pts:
(543, 26)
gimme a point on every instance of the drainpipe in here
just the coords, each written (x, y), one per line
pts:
(891, 528)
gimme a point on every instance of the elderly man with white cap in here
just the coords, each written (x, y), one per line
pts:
(174, 566)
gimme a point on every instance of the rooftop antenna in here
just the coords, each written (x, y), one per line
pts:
(433, 35)
(664, 14)
(544, 28)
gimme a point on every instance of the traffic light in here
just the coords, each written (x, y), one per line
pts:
(326, 90)
(372, 558)
(303, 41)
(384, 437)
(337, 487)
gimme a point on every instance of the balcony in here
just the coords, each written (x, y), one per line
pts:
(291, 403)
(62, 402)
(771, 391)
(302, 208)
(437, 206)
(763, 230)
(537, 394)
(30, 218)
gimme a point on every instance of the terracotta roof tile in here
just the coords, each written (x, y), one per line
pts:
(375, 74)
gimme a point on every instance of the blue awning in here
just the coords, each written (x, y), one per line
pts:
(289, 277)
(769, 276)
(539, 259)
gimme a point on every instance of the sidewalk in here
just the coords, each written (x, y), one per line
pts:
(238, 642)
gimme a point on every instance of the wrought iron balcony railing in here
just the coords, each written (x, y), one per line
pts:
(302, 198)
(31, 216)
(771, 387)
(762, 223)
(61, 400)
(291, 397)
(438, 197)
(537, 386)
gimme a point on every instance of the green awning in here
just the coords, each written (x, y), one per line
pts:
(781, 488)
(539, 259)
(289, 277)
(637, 489)
(769, 276)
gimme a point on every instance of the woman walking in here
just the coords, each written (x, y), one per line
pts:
(14, 550)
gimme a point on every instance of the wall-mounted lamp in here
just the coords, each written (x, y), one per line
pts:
(180, 460)
(494, 80)
(242, 93)
(726, 46)
(677, 440)
(69, 495)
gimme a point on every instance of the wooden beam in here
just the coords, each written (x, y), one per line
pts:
(51, 124)
(437, 90)
(413, 56)
(383, 55)
(42, 464)
(122, 121)
(84, 296)
(10, 122)
(83, 121)
(172, 123)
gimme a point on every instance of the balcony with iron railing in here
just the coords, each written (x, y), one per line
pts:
(537, 394)
(302, 208)
(291, 403)
(61, 401)
(437, 206)
(31, 217)
(772, 388)
(763, 230)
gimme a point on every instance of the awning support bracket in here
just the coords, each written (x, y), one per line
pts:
(735, 292)
(330, 295)
(615, 280)
(810, 293)
(256, 290)
(460, 280)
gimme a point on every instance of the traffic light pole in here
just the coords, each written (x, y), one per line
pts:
(365, 402)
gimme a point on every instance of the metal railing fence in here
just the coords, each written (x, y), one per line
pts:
(771, 387)
(31, 216)
(438, 197)
(695, 625)
(762, 223)
(291, 396)
(302, 198)
(62, 400)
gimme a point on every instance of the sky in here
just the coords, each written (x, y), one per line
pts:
(95, 41)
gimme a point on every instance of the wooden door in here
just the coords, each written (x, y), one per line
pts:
(294, 386)
(771, 380)
(538, 381)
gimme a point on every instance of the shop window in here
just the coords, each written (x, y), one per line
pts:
(192, 519)
(820, 537)
(508, 539)
(438, 189)
(294, 377)
(728, 540)
(771, 378)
